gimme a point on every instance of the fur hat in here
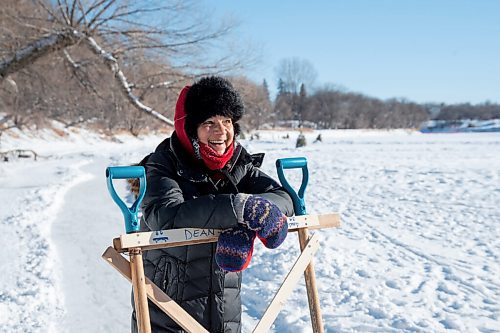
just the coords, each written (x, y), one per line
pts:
(208, 97)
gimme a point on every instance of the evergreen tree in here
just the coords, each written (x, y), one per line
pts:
(301, 104)
(281, 87)
(265, 87)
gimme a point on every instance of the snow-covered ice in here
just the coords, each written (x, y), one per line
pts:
(418, 249)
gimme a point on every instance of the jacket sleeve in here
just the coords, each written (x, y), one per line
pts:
(164, 206)
(258, 183)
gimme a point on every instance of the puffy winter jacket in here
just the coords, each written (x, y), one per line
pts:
(181, 193)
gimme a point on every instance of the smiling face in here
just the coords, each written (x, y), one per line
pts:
(217, 132)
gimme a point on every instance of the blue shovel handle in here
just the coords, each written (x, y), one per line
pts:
(299, 204)
(126, 172)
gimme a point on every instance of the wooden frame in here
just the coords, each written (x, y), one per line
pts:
(190, 236)
(135, 243)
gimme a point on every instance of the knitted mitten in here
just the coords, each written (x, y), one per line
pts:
(235, 248)
(264, 217)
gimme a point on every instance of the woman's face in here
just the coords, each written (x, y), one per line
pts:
(217, 132)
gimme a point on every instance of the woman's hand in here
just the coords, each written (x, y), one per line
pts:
(264, 217)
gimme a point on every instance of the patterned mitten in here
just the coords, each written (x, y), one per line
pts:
(264, 217)
(235, 248)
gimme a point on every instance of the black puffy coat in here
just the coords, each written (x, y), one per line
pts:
(180, 194)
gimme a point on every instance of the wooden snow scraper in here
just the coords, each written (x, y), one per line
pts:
(134, 243)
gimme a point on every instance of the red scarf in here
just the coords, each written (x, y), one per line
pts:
(210, 157)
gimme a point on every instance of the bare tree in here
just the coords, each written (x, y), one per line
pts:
(331, 107)
(256, 100)
(483, 111)
(295, 72)
(172, 32)
(294, 75)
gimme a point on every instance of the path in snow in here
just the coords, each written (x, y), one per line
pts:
(33, 195)
(81, 234)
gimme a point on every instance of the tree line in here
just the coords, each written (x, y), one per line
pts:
(336, 108)
(483, 111)
(119, 65)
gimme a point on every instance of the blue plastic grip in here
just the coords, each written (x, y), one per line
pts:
(299, 204)
(125, 172)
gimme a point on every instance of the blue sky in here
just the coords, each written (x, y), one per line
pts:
(421, 50)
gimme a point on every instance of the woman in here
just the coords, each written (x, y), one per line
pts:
(201, 177)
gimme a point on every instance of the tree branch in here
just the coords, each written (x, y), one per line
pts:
(30, 53)
(123, 82)
(81, 76)
(85, 13)
(63, 12)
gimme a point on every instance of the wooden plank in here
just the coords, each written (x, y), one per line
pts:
(155, 294)
(190, 236)
(168, 238)
(312, 291)
(330, 220)
(303, 221)
(286, 287)
(139, 289)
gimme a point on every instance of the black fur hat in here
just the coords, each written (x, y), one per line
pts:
(208, 97)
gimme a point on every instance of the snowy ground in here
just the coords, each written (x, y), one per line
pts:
(418, 250)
